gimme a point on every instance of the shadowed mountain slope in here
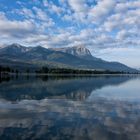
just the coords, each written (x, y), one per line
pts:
(72, 57)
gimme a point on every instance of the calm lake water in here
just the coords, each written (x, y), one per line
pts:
(70, 108)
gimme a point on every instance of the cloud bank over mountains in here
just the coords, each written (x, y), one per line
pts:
(97, 24)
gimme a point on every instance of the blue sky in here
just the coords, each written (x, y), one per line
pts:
(109, 28)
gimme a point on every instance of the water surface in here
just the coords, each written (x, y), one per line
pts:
(70, 108)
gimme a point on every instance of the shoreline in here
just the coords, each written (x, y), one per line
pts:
(49, 74)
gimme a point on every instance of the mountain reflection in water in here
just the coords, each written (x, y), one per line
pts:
(75, 88)
(66, 109)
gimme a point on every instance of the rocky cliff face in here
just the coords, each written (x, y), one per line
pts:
(79, 51)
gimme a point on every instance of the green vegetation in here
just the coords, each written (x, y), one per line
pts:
(66, 71)
(46, 70)
(6, 70)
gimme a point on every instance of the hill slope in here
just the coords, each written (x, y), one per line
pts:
(74, 57)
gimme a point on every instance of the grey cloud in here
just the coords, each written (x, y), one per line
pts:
(15, 28)
(103, 25)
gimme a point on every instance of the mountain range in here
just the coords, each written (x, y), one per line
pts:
(78, 57)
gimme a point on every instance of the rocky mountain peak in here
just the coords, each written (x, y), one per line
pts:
(44, 56)
(15, 45)
(15, 48)
(79, 51)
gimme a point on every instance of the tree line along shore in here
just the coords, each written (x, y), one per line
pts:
(6, 70)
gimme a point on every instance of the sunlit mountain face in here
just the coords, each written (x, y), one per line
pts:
(108, 28)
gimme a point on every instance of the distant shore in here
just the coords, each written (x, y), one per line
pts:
(63, 74)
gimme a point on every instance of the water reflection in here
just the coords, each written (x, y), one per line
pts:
(75, 88)
(63, 119)
(68, 109)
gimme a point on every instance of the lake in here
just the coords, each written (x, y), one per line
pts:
(70, 108)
